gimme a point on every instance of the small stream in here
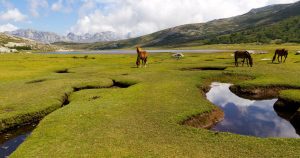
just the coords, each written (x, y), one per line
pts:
(248, 117)
(9, 141)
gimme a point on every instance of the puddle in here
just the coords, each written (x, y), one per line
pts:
(63, 71)
(248, 117)
(208, 68)
(10, 141)
(36, 81)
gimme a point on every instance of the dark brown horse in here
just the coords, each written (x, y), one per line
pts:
(280, 53)
(245, 55)
(141, 55)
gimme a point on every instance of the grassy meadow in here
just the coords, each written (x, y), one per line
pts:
(143, 120)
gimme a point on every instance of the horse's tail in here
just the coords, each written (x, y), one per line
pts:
(274, 57)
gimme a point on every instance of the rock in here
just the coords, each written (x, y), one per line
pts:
(297, 53)
(178, 55)
(5, 50)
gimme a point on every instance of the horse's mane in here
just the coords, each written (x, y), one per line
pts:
(139, 49)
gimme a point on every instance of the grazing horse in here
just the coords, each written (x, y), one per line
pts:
(245, 55)
(280, 53)
(141, 55)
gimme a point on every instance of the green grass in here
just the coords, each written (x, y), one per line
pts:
(293, 95)
(140, 121)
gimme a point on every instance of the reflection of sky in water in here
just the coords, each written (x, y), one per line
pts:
(11, 145)
(248, 117)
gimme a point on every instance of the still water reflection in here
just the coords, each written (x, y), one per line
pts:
(11, 140)
(248, 117)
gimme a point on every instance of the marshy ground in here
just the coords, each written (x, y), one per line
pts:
(142, 120)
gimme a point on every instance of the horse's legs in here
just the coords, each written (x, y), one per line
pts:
(145, 62)
(247, 62)
(285, 58)
(138, 62)
(236, 62)
(243, 61)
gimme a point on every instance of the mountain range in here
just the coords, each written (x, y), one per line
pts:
(50, 37)
(274, 23)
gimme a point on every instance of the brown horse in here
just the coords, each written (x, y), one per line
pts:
(245, 55)
(280, 53)
(141, 55)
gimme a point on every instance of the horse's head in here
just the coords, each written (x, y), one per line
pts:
(251, 61)
(138, 48)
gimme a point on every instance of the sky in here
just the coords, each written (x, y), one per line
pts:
(124, 17)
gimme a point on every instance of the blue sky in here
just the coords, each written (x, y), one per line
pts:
(46, 19)
(125, 17)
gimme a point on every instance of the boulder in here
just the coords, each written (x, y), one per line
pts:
(178, 55)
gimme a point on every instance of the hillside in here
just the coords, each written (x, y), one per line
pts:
(275, 23)
(10, 43)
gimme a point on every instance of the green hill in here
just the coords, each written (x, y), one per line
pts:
(275, 23)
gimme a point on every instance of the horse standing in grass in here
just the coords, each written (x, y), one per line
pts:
(141, 55)
(280, 53)
(245, 55)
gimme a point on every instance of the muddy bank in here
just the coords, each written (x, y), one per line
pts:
(205, 120)
(116, 84)
(286, 111)
(270, 92)
(259, 93)
(295, 120)
(289, 110)
(286, 105)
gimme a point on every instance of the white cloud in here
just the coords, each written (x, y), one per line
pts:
(8, 27)
(35, 6)
(65, 6)
(12, 14)
(6, 4)
(57, 6)
(138, 17)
